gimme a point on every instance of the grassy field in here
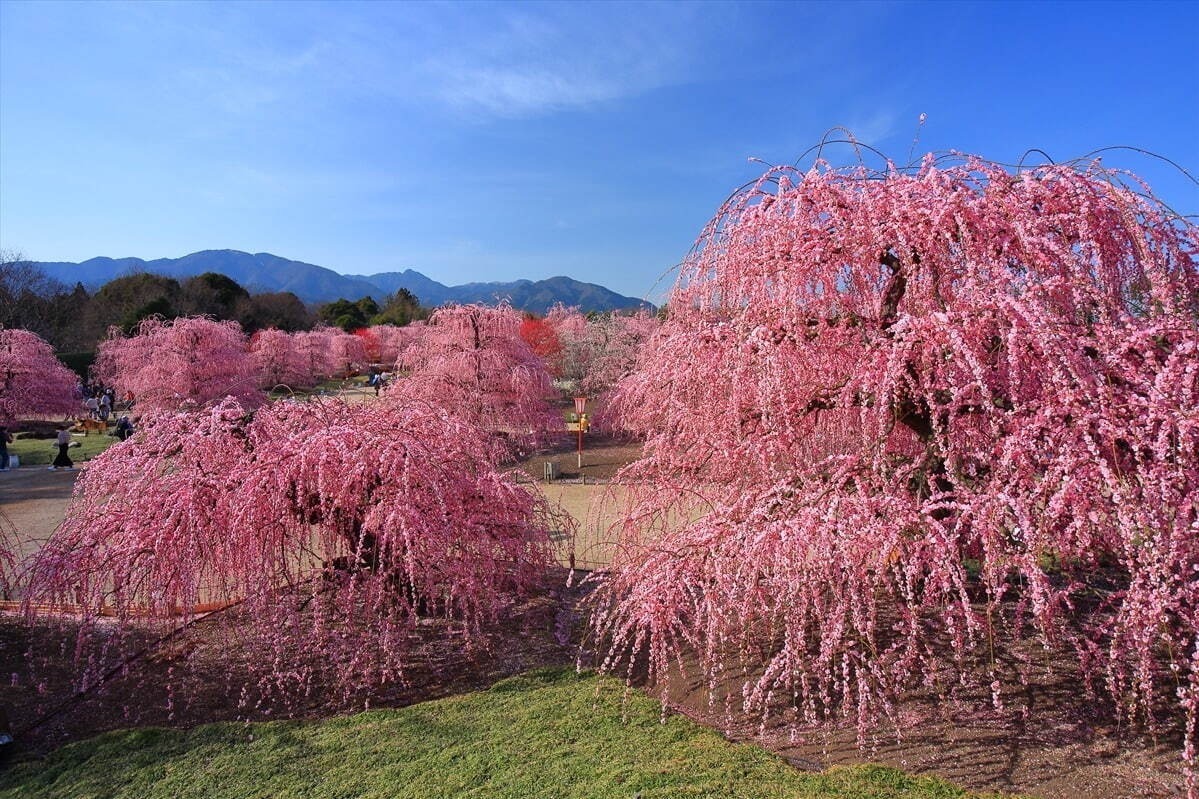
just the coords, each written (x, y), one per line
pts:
(549, 733)
(41, 451)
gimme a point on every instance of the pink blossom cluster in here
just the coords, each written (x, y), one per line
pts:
(32, 380)
(306, 358)
(333, 526)
(471, 361)
(898, 422)
(282, 359)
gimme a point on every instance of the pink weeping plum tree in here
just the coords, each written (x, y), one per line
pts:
(391, 340)
(313, 348)
(597, 353)
(347, 354)
(328, 527)
(898, 422)
(570, 327)
(9, 546)
(32, 380)
(471, 360)
(614, 342)
(281, 360)
(185, 362)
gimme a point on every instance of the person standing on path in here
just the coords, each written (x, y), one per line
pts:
(5, 440)
(63, 461)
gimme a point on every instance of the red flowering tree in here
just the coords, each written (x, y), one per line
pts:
(188, 361)
(914, 417)
(32, 380)
(334, 526)
(543, 341)
(471, 360)
(370, 343)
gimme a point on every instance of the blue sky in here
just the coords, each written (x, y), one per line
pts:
(478, 141)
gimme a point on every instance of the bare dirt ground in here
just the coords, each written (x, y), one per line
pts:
(34, 501)
(1065, 748)
(603, 456)
(205, 674)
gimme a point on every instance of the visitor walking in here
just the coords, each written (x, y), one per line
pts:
(5, 440)
(105, 407)
(63, 441)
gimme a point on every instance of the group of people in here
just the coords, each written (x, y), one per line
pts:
(98, 400)
(62, 440)
(378, 379)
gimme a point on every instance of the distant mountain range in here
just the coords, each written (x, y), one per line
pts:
(263, 272)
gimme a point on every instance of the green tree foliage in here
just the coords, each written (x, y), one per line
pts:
(128, 300)
(348, 315)
(400, 309)
(281, 310)
(29, 300)
(212, 294)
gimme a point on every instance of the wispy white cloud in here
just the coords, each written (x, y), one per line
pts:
(525, 60)
(874, 127)
(481, 60)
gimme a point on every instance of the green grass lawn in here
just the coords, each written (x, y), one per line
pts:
(548, 734)
(41, 451)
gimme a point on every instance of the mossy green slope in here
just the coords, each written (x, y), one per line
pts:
(544, 734)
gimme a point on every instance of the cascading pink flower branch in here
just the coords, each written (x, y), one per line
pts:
(32, 380)
(185, 362)
(333, 526)
(9, 547)
(897, 422)
(471, 361)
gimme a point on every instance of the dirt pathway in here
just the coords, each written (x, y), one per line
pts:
(35, 501)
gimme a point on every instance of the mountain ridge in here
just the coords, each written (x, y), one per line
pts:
(266, 272)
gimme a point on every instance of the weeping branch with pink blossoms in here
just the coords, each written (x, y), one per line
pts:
(334, 527)
(908, 419)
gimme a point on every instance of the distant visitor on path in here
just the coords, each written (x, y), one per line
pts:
(63, 440)
(5, 440)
